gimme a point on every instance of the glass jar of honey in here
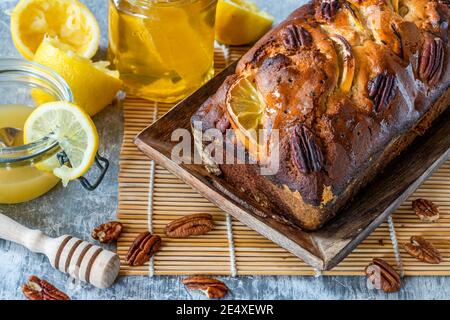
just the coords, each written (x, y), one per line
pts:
(164, 49)
(20, 177)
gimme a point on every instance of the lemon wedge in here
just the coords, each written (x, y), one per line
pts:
(75, 132)
(240, 22)
(245, 107)
(68, 20)
(93, 85)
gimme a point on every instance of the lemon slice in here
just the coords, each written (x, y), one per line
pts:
(68, 20)
(73, 129)
(93, 85)
(240, 22)
(245, 107)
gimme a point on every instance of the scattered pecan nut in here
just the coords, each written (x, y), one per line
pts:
(192, 225)
(213, 288)
(431, 62)
(37, 289)
(305, 150)
(423, 250)
(382, 90)
(383, 276)
(295, 37)
(107, 232)
(142, 249)
(426, 210)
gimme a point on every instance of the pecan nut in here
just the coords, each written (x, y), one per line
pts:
(37, 289)
(295, 37)
(383, 276)
(423, 250)
(426, 210)
(107, 232)
(306, 153)
(431, 62)
(328, 9)
(382, 90)
(142, 249)
(213, 288)
(192, 225)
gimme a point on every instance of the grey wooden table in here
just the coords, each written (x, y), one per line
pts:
(75, 211)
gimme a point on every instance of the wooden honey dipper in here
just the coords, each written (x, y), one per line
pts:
(78, 258)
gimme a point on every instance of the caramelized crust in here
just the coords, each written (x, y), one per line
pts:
(363, 77)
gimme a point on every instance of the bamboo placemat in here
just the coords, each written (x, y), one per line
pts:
(150, 197)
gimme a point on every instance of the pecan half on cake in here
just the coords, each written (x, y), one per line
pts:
(347, 85)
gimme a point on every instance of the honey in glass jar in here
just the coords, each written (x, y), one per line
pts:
(164, 49)
(21, 178)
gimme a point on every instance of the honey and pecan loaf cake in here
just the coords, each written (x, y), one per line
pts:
(349, 85)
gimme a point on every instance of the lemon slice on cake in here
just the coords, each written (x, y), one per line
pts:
(240, 22)
(245, 107)
(68, 20)
(74, 131)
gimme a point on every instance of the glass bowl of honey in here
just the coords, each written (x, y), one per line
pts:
(20, 178)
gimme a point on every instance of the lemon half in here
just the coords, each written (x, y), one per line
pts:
(75, 132)
(240, 22)
(68, 20)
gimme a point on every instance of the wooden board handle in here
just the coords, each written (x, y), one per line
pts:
(34, 240)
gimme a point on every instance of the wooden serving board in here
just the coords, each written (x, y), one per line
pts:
(325, 248)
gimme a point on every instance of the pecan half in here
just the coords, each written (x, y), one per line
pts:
(213, 288)
(383, 276)
(423, 250)
(426, 210)
(328, 9)
(295, 37)
(192, 225)
(431, 62)
(107, 232)
(37, 289)
(382, 90)
(142, 249)
(305, 150)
